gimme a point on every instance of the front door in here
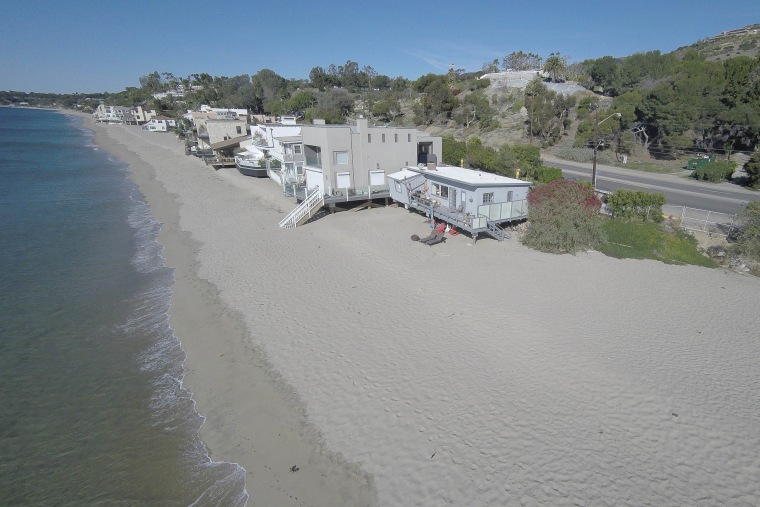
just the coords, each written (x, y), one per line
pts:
(452, 197)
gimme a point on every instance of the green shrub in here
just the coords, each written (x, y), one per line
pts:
(563, 217)
(747, 241)
(517, 106)
(716, 171)
(543, 174)
(630, 204)
(753, 170)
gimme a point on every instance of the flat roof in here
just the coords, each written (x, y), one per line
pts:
(403, 174)
(228, 142)
(289, 139)
(469, 176)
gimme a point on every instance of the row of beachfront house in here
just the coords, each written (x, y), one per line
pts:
(324, 165)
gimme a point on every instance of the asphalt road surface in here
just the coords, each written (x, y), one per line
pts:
(679, 190)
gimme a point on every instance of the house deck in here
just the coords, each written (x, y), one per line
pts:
(466, 222)
(350, 196)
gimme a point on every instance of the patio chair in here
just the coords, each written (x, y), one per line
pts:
(428, 237)
(439, 238)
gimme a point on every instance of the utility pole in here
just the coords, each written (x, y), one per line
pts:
(596, 143)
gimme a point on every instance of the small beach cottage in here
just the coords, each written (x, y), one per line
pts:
(475, 201)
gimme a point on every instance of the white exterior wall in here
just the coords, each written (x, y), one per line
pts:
(219, 130)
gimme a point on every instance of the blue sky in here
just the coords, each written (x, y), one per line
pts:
(94, 46)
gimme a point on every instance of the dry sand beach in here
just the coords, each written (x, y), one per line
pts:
(392, 373)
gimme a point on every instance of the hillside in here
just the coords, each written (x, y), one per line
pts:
(506, 96)
(740, 42)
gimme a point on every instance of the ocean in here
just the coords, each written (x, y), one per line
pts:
(92, 406)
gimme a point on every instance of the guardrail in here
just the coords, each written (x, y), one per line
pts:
(694, 219)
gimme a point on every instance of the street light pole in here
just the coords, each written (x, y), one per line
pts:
(596, 144)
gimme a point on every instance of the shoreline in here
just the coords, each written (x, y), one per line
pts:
(485, 374)
(279, 435)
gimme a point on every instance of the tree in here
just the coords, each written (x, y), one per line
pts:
(747, 241)
(598, 128)
(320, 78)
(300, 102)
(475, 107)
(454, 151)
(388, 109)
(367, 75)
(333, 105)
(349, 75)
(527, 155)
(563, 217)
(491, 67)
(521, 61)
(382, 82)
(151, 82)
(437, 100)
(547, 112)
(479, 156)
(604, 73)
(753, 170)
(555, 66)
(269, 85)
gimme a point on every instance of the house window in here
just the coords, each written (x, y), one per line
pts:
(436, 189)
(395, 138)
(340, 157)
(398, 186)
(509, 196)
(299, 170)
(383, 138)
(297, 149)
(444, 191)
(369, 138)
(487, 197)
(239, 129)
(409, 138)
(343, 180)
(313, 155)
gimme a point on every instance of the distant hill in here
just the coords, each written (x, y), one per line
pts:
(740, 42)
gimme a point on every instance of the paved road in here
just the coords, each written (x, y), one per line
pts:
(679, 191)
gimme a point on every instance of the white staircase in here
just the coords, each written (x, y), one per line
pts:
(304, 211)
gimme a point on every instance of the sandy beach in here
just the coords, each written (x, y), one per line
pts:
(341, 363)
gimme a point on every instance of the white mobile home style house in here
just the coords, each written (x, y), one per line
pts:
(474, 201)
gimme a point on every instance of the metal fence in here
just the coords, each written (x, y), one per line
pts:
(694, 219)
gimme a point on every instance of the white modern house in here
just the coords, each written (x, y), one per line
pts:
(213, 131)
(111, 114)
(474, 201)
(225, 112)
(141, 116)
(345, 163)
(281, 144)
(350, 162)
(160, 124)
